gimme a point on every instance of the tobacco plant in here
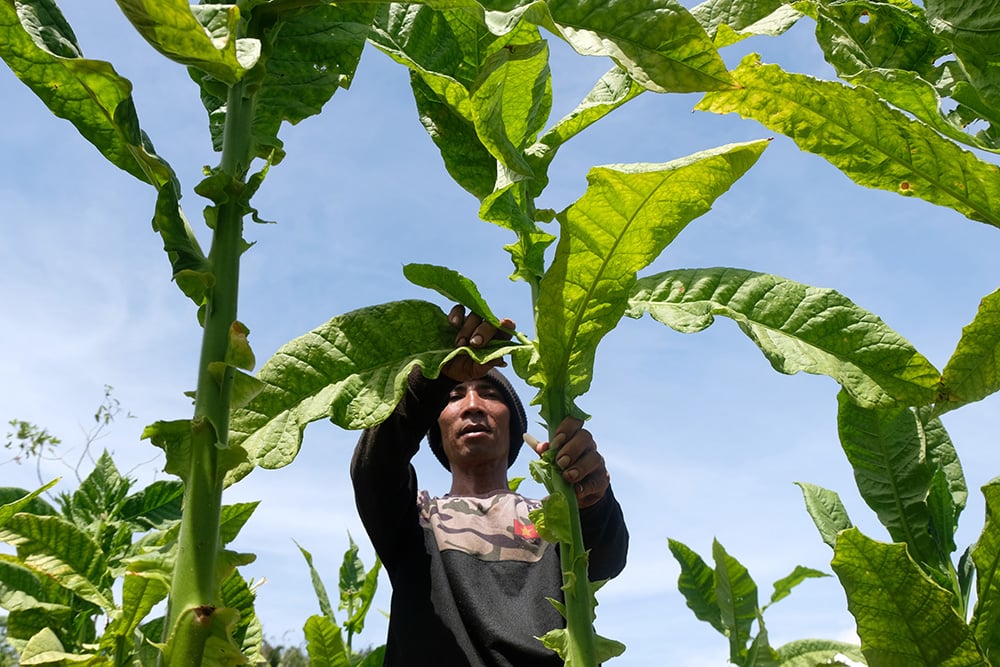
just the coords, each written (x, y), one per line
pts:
(726, 597)
(923, 83)
(481, 81)
(628, 215)
(325, 640)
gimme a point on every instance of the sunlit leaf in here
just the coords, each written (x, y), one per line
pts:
(200, 36)
(352, 370)
(903, 617)
(873, 34)
(973, 30)
(797, 327)
(46, 649)
(311, 52)
(658, 42)
(872, 143)
(44, 54)
(624, 220)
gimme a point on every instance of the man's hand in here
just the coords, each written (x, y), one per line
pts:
(582, 465)
(474, 332)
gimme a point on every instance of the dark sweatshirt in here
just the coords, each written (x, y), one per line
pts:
(469, 575)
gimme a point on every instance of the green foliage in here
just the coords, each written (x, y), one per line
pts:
(726, 597)
(922, 82)
(482, 88)
(325, 640)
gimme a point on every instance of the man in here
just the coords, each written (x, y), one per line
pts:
(469, 574)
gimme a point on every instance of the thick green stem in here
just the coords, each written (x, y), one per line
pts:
(195, 590)
(582, 642)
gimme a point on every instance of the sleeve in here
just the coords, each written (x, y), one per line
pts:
(385, 483)
(605, 536)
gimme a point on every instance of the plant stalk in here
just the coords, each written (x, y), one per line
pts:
(195, 591)
(582, 642)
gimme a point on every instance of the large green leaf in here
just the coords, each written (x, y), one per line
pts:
(973, 30)
(986, 556)
(352, 370)
(797, 327)
(511, 100)
(827, 511)
(887, 450)
(866, 34)
(903, 617)
(872, 143)
(481, 96)
(201, 36)
(890, 48)
(973, 372)
(697, 584)
(41, 49)
(52, 546)
(624, 220)
(658, 42)
(310, 53)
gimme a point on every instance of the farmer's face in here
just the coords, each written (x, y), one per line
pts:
(475, 425)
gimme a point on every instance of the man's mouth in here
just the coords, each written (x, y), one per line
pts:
(474, 429)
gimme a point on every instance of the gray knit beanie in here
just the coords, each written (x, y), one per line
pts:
(518, 421)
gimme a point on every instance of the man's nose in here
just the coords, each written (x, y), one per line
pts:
(472, 401)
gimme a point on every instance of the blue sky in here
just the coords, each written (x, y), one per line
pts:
(703, 439)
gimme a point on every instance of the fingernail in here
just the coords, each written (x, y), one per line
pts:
(558, 440)
(476, 340)
(562, 461)
(571, 476)
(461, 342)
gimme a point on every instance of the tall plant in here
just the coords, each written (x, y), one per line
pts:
(482, 85)
(501, 153)
(922, 90)
(257, 65)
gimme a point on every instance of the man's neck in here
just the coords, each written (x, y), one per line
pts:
(477, 482)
